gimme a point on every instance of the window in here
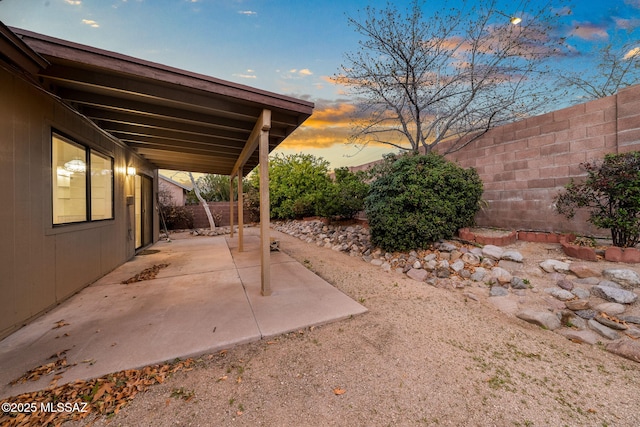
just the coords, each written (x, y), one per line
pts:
(82, 183)
(101, 187)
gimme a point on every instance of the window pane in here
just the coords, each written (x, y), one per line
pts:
(69, 180)
(101, 187)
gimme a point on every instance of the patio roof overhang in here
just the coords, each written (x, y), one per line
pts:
(173, 118)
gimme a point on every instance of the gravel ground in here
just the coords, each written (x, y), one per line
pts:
(420, 356)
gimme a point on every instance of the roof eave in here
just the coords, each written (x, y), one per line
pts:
(19, 53)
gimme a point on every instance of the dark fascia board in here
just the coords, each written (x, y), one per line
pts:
(19, 53)
(58, 48)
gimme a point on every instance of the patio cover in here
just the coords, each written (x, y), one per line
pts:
(173, 118)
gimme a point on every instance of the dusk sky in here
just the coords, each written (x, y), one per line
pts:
(292, 47)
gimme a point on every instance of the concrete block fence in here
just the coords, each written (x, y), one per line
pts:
(525, 164)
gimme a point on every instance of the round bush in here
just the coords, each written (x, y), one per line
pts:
(418, 199)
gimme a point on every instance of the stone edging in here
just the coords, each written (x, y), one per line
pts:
(586, 253)
(527, 236)
(612, 253)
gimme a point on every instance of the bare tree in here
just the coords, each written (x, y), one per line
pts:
(617, 65)
(454, 74)
(203, 202)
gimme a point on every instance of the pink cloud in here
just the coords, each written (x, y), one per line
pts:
(589, 31)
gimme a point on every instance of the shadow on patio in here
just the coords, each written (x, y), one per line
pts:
(206, 299)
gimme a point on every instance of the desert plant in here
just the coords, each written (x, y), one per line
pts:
(418, 199)
(611, 191)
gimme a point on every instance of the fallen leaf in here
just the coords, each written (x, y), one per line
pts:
(338, 391)
(60, 324)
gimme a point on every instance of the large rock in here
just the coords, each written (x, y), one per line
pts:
(603, 330)
(471, 259)
(518, 283)
(582, 270)
(611, 308)
(447, 247)
(608, 293)
(581, 293)
(561, 294)
(577, 304)
(501, 275)
(478, 275)
(458, 266)
(564, 284)
(510, 266)
(618, 326)
(492, 252)
(544, 319)
(553, 265)
(625, 348)
(512, 256)
(498, 291)
(585, 336)
(623, 276)
(418, 274)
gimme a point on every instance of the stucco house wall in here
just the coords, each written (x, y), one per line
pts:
(170, 191)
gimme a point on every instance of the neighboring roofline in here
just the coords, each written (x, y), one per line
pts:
(19, 52)
(143, 68)
(177, 183)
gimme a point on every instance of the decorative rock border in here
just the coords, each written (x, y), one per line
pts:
(586, 253)
(542, 236)
(628, 255)
(577, 251)
(612, 253)
(469, 236)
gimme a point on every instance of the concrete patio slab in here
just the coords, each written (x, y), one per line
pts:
(295, 295)
(206, 299)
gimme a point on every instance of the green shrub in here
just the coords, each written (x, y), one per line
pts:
(612, 193)
(344, 197)
(417, 199)
(296, 182)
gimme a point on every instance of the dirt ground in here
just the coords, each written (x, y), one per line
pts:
(420, 356)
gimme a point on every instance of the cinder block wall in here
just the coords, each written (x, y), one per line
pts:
(525, 164)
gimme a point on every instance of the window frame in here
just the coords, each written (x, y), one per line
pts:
(88, 151)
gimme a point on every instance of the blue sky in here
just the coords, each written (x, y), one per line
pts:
(291, 47)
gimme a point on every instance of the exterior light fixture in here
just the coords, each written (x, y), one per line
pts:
(131, 171)
(75, 165)
(513, 19)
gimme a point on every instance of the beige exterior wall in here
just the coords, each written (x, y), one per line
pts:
(177, 194)
(41, 265)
